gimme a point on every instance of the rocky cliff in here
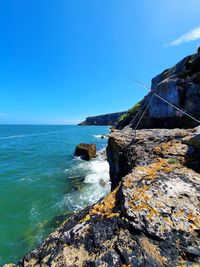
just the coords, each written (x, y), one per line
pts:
(181, 86)
(151, 218)
(106, 119)
(152, 215)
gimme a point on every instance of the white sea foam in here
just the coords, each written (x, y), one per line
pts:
(12, 136)
(28, 135)
(95, 185)
(100, 136)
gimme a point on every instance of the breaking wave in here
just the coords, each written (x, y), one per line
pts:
(91, 181)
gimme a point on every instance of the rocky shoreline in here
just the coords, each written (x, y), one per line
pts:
(151, 217)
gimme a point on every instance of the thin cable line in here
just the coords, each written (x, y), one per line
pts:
(179, 109)
(140, 111)
(143, 113)
(166, 101)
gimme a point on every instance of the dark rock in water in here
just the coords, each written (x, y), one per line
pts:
(86, 151)
(106, 119)
(77, 183)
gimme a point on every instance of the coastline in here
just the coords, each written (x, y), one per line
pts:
(42, 174)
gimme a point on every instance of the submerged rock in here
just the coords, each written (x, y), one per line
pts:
(86, 151)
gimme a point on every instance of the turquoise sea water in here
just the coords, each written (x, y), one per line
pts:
(40, 179)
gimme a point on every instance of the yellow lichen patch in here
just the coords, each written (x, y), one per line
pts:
(168, 221)
(139, 202)
(163, 147)
(105, 207)
(195, 219)
(171, 147)
(150, 171)
(86, 218)
(152, 250)
(179, 214)
(128, 182)
(116, 214)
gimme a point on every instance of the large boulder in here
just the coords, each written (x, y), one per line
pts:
(86, 151)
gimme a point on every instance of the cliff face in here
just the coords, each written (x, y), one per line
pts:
(152, 216)
(181, 86)
(107, 119)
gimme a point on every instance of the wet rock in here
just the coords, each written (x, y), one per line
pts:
(86, 151)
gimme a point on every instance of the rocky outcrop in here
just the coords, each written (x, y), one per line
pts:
(152, 215)
(107, 119)
(181, 86)
(86, 151)
(151, 218)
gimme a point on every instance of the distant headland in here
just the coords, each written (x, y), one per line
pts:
(105, 119)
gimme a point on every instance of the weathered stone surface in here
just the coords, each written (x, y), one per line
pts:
(181, 86)
(152, 216)
(86, 151)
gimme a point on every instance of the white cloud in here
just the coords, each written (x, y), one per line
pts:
(192, 35)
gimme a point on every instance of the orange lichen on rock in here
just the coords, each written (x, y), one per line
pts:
(150, 171)
(105, 207)
(139, 201)
(152, 250)
(160, 149)
(195, 219)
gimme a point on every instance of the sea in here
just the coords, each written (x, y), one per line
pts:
(42, 183)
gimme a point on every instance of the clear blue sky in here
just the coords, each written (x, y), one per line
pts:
(63, 60)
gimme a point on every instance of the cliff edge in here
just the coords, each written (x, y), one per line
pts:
(152, 216)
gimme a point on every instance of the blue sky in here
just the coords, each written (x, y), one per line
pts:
(63, 60)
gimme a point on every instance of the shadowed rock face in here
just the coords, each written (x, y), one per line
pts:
(181, 86)
(86, 151)
(152, 216)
